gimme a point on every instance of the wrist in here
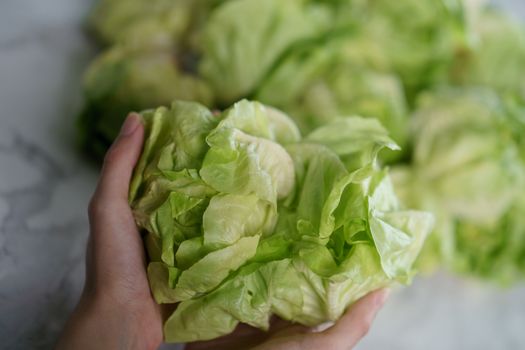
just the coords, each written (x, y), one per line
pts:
(103, 323)
(128, 321)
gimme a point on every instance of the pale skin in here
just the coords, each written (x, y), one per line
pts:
(116, 309)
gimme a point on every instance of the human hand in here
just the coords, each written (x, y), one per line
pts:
(116, 310)
(343, 335)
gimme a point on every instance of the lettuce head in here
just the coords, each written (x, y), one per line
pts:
(419, 37)
(244, 39)
(244, 219)
(468, 171)
(497, 57)
(139, 23)
(124, 79)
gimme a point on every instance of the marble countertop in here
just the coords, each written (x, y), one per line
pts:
(45, 187)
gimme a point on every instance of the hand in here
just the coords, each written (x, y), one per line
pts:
(116, 310)
(343, 335)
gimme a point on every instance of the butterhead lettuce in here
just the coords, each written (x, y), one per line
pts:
(245, 219)
(468, 171)
(417, 37)
(244, 39)
(139, 23)
(124, 79)
(497, 58)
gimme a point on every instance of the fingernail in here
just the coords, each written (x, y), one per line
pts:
(382, 296)
(130, 124)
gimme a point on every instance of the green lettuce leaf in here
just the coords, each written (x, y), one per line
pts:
(244, 159)
(356, 140)
(209, 272)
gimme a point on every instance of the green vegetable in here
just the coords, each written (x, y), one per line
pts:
(123, 80)
(319, 83)
(139, 23)
(497, 61)
(497, 58)
(467, 170)
(245, 219)
(243, 40)
(418, 38)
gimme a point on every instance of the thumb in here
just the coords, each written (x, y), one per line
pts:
(121, 159)
(356, 322)
(351, 327)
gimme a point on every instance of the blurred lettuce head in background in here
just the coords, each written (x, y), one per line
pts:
(139, 22)
(418, 37)
(123, 80)
(244, 39)
(496, 58)
(467, 170)
(245, 219)
(151, 23)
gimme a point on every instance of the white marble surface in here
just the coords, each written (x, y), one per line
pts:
(45, 187)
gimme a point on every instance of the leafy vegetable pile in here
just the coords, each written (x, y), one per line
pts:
(245, 219)
(446, 79)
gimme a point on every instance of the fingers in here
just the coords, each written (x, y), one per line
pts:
(356, 322)
(244, 337)
(282, 328)
(121, 159)
(345, 334)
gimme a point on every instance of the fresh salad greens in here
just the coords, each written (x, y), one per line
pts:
(244, 218)
(445, 79)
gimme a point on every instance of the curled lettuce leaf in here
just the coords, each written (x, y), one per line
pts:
(245, 219)
(356, 140)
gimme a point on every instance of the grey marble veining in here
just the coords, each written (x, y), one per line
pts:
(45, 187)
(40, 248)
